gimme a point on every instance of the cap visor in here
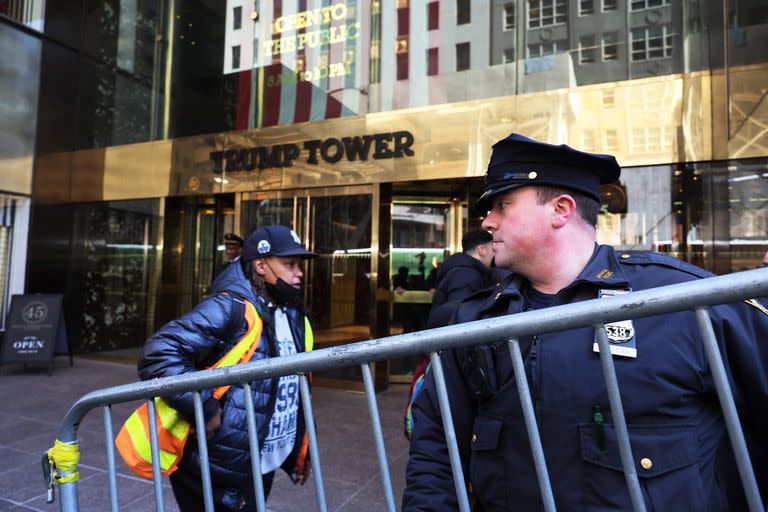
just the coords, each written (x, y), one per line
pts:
(483, 205)
(301, 253)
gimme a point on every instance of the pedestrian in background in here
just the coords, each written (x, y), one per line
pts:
(542, 202)
(462, 274)
(458, 277)
(268, 276)
(233, 246)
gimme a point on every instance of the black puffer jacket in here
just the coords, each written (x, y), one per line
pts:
(197, 340)
(458, 277)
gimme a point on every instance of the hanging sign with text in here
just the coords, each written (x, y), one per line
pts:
(35, 330)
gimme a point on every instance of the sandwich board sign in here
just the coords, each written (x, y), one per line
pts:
(35, 331)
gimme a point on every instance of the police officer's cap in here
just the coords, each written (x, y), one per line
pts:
(231, 238)
(517, 161)
(274, 241)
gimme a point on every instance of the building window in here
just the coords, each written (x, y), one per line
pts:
(433, 15)
(651, 139)
(509, 16)
(432, 61)
(651, 43)
(546, 48)
(586, 49)
(508, 55)
(463, 14)
(610, 5)
(237, 18)
(586, 7)
(462, 56)
(610, 44)
(545, 13)
(611, 140)
(402, 58)
(588, 141)
(236, 57)
(639, 5)
(608, 99)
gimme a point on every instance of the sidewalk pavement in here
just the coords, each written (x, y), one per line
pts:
(34, 405)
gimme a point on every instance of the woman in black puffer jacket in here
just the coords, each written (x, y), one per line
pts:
(268, 276)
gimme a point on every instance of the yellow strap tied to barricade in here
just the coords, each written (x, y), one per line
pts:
(64, 457)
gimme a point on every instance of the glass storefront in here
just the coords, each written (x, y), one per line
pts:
(164, 125)
(159, 70)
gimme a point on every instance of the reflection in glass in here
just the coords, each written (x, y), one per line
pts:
(339, 286)
(19, 84)
(748, 213)
(27, 12)
(298, 62)
(420, 242)
(119, 251)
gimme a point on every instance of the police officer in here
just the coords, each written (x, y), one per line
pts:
(233, 246)
(542, 202)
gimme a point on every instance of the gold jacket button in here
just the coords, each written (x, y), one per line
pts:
(646, 463)
(474, 438)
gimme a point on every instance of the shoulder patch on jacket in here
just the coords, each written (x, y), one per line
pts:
(655, 258)
(755, 304)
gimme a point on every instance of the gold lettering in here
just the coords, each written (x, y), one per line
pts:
(279, 25)
(339, 11)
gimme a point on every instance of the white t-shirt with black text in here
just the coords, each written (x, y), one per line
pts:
(281, 434)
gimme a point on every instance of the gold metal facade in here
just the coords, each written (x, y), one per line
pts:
(650, 121)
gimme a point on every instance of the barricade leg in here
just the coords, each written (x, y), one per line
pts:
(545, 486)
(202, 445)
(111, 470)
(155, 447)
(253, 442)
(378, 437)
(450, 432)
(309, 420)
(728, 407)
(619, 422)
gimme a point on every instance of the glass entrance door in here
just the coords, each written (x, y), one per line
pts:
(193, 235)
(424, 232)
(336, 223)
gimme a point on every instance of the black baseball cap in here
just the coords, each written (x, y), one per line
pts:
(517, 161)
(231, 238)
(274, 241)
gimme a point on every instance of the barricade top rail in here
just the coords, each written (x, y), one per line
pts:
(671, 298)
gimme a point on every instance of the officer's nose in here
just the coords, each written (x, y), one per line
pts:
(489, 223)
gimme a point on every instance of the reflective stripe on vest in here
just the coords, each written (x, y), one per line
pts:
(133, 440)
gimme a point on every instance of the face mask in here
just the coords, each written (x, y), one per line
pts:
(284, 294)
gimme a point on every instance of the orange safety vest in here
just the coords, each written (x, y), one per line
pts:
(172, 430)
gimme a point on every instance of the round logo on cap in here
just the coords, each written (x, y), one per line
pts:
(263, 247)
(295, 237)
(532, 175)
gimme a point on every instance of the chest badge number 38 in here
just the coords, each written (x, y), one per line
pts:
(621, 334)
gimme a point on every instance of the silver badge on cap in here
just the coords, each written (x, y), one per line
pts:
(263, 247)
(532, 175)
(295, 237)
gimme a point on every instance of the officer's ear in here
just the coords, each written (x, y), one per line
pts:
(563, 210)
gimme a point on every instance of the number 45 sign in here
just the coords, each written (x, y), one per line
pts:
(35, 331)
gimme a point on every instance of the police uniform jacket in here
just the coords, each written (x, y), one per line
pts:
(676, 430)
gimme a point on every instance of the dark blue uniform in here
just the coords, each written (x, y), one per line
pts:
(669, 398)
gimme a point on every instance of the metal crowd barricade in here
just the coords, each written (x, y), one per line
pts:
(695, 295)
